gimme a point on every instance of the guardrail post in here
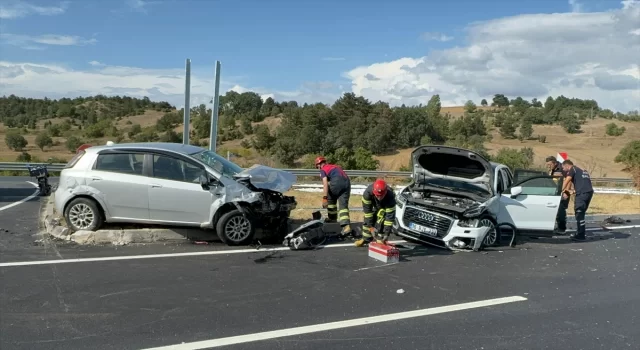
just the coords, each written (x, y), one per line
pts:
(187, 102)
(213, 137)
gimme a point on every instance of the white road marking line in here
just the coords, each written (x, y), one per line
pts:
(607, 228)
(22, 200)
(374, 267)
(246, 338)
(168, 255)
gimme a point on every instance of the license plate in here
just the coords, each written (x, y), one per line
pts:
(423, 229)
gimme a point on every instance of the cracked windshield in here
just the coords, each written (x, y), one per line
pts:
(282, 174)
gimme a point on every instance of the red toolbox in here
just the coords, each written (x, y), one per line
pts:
(384, 252)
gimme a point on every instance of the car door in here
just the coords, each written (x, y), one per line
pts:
(535, 208)
(175, 193)
(119, 181)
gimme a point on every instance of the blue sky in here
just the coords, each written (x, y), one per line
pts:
(278, 47)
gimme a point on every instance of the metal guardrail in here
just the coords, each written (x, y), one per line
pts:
(299, 172)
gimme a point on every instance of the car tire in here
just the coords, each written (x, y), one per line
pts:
(83, 214)
(491, 240)
(235, 228)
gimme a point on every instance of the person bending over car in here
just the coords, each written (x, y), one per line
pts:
(336, 193)
(379, 207)
(583, 190)
(555, 170)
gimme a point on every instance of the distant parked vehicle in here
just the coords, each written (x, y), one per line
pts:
(172, 184)
(41, 173)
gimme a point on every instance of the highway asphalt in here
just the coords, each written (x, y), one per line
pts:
(560, 294)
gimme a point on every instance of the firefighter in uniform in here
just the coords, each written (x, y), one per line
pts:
(583, 190)
(337, 191)
(555, 170)
(379, 207)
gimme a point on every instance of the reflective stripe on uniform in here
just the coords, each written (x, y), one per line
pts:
(365, 201)
(390, 210)
(368, 215)
(388, 223)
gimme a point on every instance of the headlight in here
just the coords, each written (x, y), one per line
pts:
(474, 211)
(401, 200)
(468, 223)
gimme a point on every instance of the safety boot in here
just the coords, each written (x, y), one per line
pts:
(361, 242)
(346, 232)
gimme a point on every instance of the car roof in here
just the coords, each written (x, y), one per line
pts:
(164, 146)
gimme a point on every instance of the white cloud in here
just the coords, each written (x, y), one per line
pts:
(55, 81)
(433, 36)
(575, 6)
(583, 55)
(27, 41)
(139, 5)
(18, 9)
(96, 64)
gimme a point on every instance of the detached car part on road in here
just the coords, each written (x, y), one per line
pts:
(173, 184)
(459, 200)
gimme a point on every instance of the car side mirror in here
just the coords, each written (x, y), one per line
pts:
(204, 182)
(516, 191)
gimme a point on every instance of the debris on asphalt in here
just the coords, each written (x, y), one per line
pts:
(400, 291)
(614, 220)
(200, 242)
(553, 256)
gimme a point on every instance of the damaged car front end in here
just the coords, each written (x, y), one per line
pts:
(450, 202)
(173, 184)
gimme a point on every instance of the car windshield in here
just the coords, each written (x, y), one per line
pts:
(456, 186)
(218, 163)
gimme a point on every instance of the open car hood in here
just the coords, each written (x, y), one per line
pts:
(267, 178)
(451, 163)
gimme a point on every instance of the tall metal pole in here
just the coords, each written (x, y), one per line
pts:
(187, 102)
(213, 136)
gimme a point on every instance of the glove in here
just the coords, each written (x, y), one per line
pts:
(325, 202)
(383, 240)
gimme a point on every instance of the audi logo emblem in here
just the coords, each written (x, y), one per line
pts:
(426, 216)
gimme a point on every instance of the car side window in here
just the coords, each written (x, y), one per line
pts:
(507, 177)
(170, 168)
(500, 186)
(124, 163)
(540, 186)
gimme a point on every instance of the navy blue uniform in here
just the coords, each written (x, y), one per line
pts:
(339, 193)
(584, 193)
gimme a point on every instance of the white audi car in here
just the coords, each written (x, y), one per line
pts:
(459, 200)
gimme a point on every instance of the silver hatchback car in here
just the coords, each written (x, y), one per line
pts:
(173, 184)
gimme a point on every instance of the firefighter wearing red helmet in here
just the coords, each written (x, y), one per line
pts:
(336, 193)
(379, 207)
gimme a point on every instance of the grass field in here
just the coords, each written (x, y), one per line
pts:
(592, 149)
(602, 203)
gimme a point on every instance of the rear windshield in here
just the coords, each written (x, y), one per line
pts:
(74, 160)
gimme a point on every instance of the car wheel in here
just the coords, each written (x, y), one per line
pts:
(83, 214)
(235, 228)
(492, 238)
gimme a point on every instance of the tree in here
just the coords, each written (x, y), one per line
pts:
(262, 138)
(629, 155)
(43, 140)
(514, 158)
(470, 107)
(500, 100)
(526, 129)
(483, 103)
(508, 128)
(73, 143)
(569, 121)
(612, 129)
(16, 141)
